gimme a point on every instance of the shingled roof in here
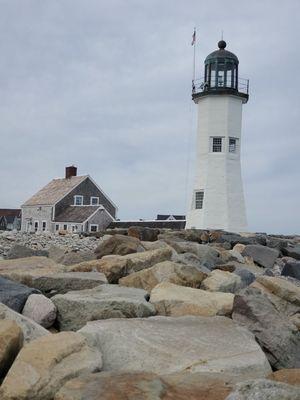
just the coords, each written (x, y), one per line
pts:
(54, 191)
(77, 214)
(10, 212)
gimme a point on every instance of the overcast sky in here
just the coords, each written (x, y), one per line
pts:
(106, 85)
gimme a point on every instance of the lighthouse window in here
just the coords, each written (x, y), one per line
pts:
(217, 144)
(199, 196)
(232, 145)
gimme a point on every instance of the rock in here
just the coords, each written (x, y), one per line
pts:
(166, 271)
(63, 282)
(56, 253)
(66, 256)
(31, 330)
(268, 272)
(234, 238)
(292, 251)
(262, 255)
(236, 256)
(222, 281)
(263, 389)
(246, 276)
(142, 385)
(289, 376)
(47, 363)
(295, 319)
(190, 235)
(277, 336)
(19, 251)
(207, 255)
(163, 345)
(115, 267)
(40, 309)
(191, 260)
(23, 270)
(225, 267)
(119, 245)
(176, 301)
(14, 295)
(75, 309)
(281, 288)
(158, 244)
(276, 243)
(76, 257)
(282, 306)
(143, 233)
(11, 341)
(291, 269)
(249, 265)
(239, 248)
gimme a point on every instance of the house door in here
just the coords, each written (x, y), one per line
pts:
(28, 226)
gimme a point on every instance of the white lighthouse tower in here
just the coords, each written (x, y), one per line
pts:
(218, 198)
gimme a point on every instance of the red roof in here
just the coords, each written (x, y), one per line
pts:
(10, 212)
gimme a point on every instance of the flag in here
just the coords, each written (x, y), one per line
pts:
(194, 38)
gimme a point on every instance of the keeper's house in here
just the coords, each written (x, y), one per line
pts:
(74, 204)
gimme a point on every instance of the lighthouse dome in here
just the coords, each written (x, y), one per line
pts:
(221, 54)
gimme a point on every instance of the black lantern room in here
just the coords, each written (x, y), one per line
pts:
(221, 75)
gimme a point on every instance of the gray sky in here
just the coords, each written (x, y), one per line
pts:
(106, 85)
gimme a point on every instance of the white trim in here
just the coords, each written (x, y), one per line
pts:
(77, 226)
(90, 227)
(102, 208)
(236, 145)
(91, 200)
(211, 144)
(99, 208)
(38, 226)
(86, 220)
(75, 196)
(104, 194)
(66, 194)
(66, 223)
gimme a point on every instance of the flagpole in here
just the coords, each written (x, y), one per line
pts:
(194, 61)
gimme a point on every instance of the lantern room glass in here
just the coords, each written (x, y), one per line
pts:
(221, 74)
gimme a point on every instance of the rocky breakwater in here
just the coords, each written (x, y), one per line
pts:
(163, 314)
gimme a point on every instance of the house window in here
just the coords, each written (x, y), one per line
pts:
(233, 143)
(78, 200)
(65, 227)
(94, 201)
(74, 228)
(57, 227)
(36, 226)
(44, 225)
(199, 196)
(93, 228)
(216, 144)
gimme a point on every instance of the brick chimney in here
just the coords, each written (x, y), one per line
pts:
(71, 171)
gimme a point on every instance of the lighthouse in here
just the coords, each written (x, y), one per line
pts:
(217, 200)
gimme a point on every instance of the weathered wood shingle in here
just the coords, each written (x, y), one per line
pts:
(77, 214)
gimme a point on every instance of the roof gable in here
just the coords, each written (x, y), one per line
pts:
(54, 191)
(77, 214)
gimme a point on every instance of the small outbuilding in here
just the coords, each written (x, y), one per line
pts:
(10, 219)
